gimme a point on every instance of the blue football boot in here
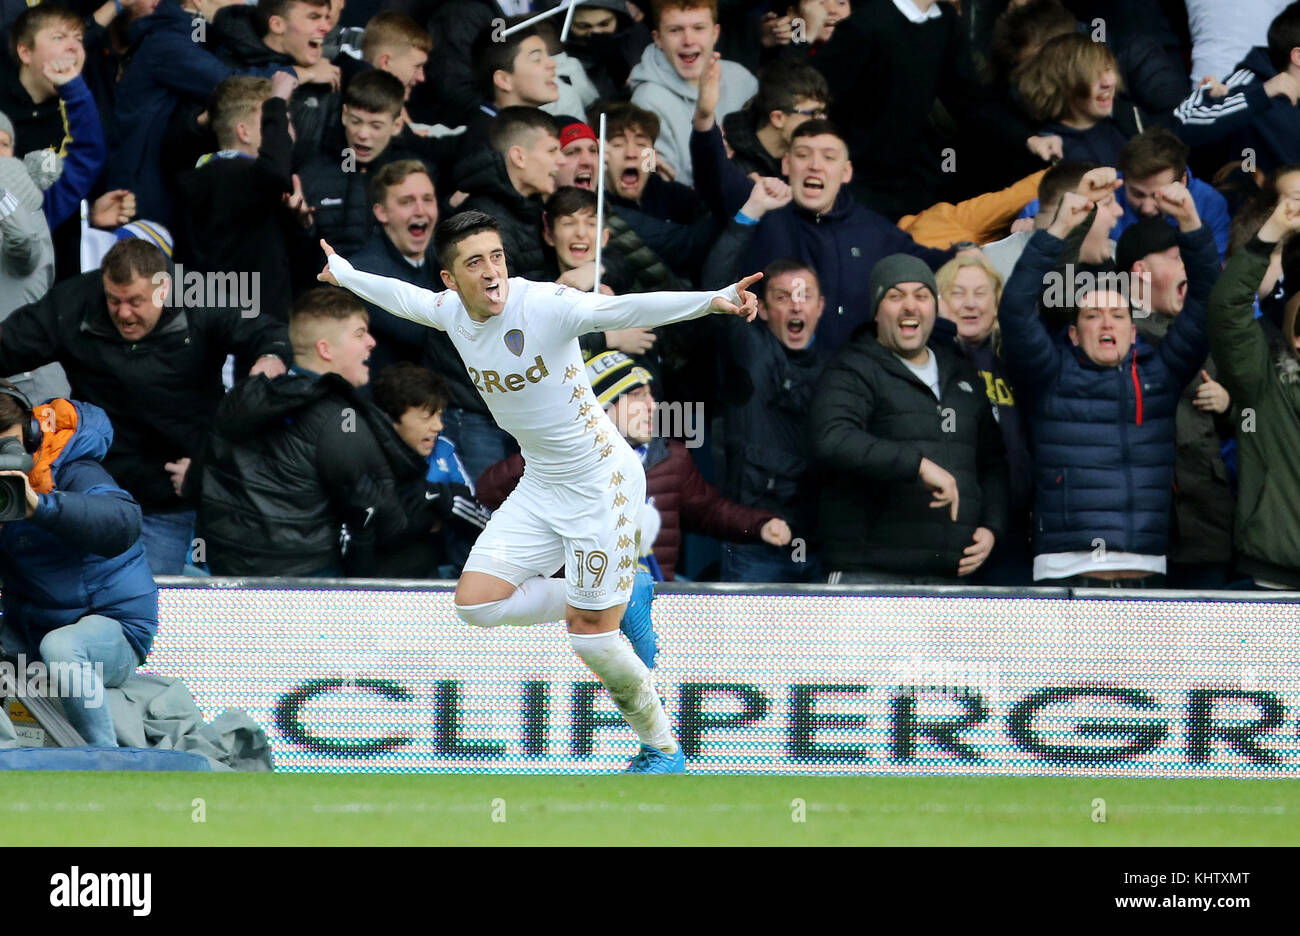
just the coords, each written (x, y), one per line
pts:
(636, 623)
(654, 761)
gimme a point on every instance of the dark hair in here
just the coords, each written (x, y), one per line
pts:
(403, 386)
(512, 125)
(1153, 151)
(35, 18)
(784, 265)
(1061, 178)
(1284, 35)
(1025, 27)
(395, 173)
(492, 51)
(265, 9)
(131, 257)
(375, 92)
(569, 200)
(621, 116)
(451, 231)
(12, 412)
(816, 127)
(782, 84)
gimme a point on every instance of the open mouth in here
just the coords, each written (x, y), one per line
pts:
(909, 327)
(582, 178)
(814, 186)
(362, 152)
(629, 178)
(1182, 290)
(795, 328)
(315, 44)
(418, 228)
(1107, 341)
(688, 58)
(493, 292)
(1105, 99)
(579, 249)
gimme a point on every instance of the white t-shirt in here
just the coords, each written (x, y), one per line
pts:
(1067, 564)
(1223, 32)
(526, 362)
(927, 372)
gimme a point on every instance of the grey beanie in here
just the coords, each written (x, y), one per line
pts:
(898, 268)
(15, 179)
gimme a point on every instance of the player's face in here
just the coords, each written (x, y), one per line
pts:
(686, 38)
(479, 275)
(574, 238)
(303, 32)
(633, 414)
(1104, 329)
(817, 167)
(135, 307)
(971, 303)
(580, 161)
(533, 80)
(369, 133)
(408, 213)
(629, 159)
(419, 428)
(905, 318)
(792, 305)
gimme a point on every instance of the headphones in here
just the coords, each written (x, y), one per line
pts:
(32, 433)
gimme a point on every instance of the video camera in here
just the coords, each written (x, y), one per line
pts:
(13, 493)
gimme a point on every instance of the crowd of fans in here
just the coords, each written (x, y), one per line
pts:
(1029, 312)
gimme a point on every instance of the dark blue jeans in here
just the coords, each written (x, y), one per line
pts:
(760, 562)
(479, 442)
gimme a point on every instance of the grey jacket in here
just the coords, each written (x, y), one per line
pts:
(26, 274)
(658, 88)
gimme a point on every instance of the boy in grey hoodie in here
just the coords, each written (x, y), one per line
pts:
(667, 79)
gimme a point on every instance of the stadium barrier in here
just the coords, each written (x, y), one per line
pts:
(380, 676)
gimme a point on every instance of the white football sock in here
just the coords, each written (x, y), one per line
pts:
(629, 684)
(537, 601)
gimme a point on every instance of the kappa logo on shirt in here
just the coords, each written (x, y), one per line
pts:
(466, 333)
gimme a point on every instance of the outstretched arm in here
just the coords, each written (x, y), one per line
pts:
(586, 312)
(402, 299)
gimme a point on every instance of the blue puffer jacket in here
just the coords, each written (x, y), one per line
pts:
(1103, 437)
(80, 553)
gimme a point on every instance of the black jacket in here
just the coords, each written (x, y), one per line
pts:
(483, 176)
(341, 199)
(398, 339)
(160, 392)
(747, 152)
(767, 392)
(872, 422)
(231, 217)
(36, 126)
(302, 473)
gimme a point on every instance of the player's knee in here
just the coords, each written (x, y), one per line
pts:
(487, 614)
(584, 621)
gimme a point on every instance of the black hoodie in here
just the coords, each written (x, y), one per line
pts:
(483, 175)
(303, 473)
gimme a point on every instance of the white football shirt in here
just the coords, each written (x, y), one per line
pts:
(526, 362)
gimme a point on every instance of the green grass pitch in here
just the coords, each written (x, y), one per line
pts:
(326, 809)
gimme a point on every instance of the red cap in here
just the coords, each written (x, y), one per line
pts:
(576, 131)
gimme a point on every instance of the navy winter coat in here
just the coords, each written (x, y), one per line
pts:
(80, 553)
(1103, 437)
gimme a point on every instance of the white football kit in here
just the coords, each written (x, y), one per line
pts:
(583, 486)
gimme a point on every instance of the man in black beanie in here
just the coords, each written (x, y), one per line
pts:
(916, 481)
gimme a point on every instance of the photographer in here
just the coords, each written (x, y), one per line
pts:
(77, 587)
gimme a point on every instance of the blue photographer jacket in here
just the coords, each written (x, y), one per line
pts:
(80, 552)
